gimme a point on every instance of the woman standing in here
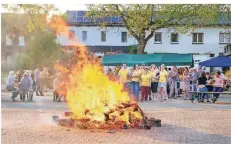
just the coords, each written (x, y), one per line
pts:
(163, 82)
(145, 83)
(201, 82)
(186, 79)
(135, 77)
(154, 82)
(30, 98)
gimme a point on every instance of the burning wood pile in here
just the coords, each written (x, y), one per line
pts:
(95, 101)
(124, 116)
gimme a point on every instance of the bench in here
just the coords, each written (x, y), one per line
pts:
(210, 93)
(24, 94)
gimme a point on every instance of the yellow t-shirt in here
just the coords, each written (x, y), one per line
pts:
(141, 71)
(123, 73)
(151, 75)
(163, 75)
(136, 73)
(145, 79)
(227, 74)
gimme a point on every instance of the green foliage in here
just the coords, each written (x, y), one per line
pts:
(132, 49)
(36, 15)
(41, 48)
(23, 61)
(142, 20)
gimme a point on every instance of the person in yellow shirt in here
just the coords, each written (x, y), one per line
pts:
(163, 82)
(150, 83)
(135, 79)
(228, 73)
(123, 76)
(142, 68)
(145, 84)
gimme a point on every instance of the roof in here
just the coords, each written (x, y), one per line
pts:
(78, 18)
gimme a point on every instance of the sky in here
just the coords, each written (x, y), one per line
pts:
(65, 7)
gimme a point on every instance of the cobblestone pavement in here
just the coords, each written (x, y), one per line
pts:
(182, 122)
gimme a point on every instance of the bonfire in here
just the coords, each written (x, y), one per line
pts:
(94, 100)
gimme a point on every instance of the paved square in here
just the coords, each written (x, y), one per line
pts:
(182, 122)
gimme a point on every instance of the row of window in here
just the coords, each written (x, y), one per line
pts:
(103, 36)
(197, 38)
(21, 41)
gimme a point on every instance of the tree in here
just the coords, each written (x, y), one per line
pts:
(36, 15)
(42, 47)
(132, 49)
(142, 20)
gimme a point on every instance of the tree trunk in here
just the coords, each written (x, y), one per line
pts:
(141, 48)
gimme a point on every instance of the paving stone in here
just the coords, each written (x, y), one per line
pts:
(181, 122)
(178, 126)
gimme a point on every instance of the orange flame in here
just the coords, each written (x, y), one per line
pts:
(90, 93)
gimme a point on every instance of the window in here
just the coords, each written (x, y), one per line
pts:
(124, 37)
(220, 54)
(71, 35)
(84, 35)
(103, 36)
(198, 38)
(174, 38)
(21, 41)
(8, 58)
(224, 38)
(8, 41)
(212, 55)
(158, 37)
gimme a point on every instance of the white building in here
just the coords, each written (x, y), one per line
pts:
(204, 42)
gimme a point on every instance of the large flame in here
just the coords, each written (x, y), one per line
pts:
(90, 93)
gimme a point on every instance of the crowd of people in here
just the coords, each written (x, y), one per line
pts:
(27, 82)
(152, 81)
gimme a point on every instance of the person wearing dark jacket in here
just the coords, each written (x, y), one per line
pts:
(202, 82)
(23, 86)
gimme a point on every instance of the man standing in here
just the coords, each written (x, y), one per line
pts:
(174, 78)
(123, 76)
(37, 80)
(194, 77)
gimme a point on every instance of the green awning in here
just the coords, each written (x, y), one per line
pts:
(148, 59)
(177, 59)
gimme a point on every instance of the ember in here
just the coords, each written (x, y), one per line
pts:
(95, 101)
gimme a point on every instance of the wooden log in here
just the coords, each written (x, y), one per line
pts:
(68, 113)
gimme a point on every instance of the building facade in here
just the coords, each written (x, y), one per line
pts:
(200, 41)
(203, 43)
(11, 44)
